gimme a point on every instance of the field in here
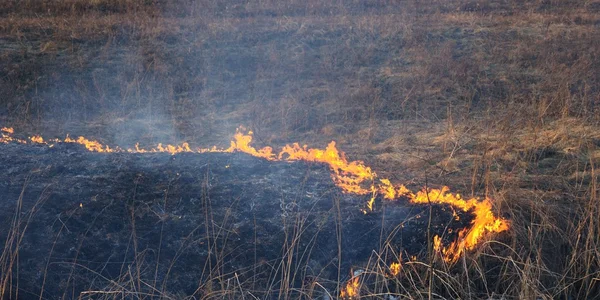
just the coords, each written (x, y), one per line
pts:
(496, 99)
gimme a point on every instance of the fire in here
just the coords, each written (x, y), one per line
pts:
(437, 243)
(173, 149)
(387, 189)
(37, 139)
(5, 133)
(351, 176)
(352, 289)
(241, 143)
(91, 145)
(8, 130)
(395, 268)
(348, 175)
(484, 221)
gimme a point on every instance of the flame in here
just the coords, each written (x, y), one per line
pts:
(347, 175)
(387, 189)
(484, 221)
(91, 145)
(351, 176)
(395, 268)
(172, 149)
(437, 243)
(5, 133)
(241, 143)
(37, 139)
(352, 289)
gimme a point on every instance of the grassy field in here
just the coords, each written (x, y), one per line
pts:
(492, 98)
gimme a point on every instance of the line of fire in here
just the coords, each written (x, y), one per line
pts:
(235, 211)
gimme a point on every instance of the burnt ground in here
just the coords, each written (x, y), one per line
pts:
(186, 224)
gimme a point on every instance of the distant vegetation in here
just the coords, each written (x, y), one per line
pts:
(493, 98)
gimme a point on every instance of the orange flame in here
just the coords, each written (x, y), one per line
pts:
(91, 145)
(437, 243)
(352, 289)
(484, 221)
(395, 268)
(347, 175)
(351, 176)
(172, 149)
(5, 137)
(241, 143)
(37, 139)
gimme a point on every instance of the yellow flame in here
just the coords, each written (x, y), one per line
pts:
(91, 145)
(437, 243)
(37, 139)
(5, 137)
(348, 175)
(241, 143)
(395, 268)
(484, 221)
(387, 189)
(352, 289)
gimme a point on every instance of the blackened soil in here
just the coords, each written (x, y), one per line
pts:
(187, 224)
